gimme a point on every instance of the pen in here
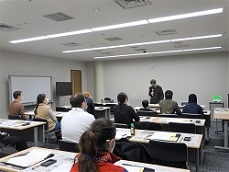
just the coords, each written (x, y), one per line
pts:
(36, 166)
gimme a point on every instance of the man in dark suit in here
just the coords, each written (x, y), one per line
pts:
(155, 92)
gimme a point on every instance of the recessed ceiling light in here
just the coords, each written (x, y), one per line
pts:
(159, 52)
(188, 15)
(96, 9)
(123, 25)
(144, 43)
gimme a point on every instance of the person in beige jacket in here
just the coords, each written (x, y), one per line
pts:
(44, 111)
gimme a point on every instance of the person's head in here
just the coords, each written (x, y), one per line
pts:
(153, 82)
(42, 98)
(168, 94)
(145, 103)
(96, 142)
(87, 94)
(192, 98)
(79, 101)
(122, 98)
(18, 95)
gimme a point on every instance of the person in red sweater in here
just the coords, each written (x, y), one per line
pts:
(96, 146)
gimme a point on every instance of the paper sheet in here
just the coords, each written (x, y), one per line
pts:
(28, 159)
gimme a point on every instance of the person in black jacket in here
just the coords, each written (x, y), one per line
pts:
(124, 113)
(192, 106)
(155, 92)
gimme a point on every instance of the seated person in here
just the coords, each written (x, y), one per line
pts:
(16, 108)
(145, 104)
(90, 104)
(77, 120)
(44, 111)
(19, 144)
(192, 106)
(168, 106)
(124, 113)
(96, 146)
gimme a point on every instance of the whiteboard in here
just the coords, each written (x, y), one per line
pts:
(31, 86)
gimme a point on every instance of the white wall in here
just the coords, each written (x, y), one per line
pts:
(12, 63)
(202, 74)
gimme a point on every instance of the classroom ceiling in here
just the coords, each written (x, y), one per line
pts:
(22, 19)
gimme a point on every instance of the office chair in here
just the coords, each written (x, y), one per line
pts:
(168, 115)
(191, 115)
(146, 113)
(182, 127)
(132, 151)
(68, 146)
(149, 126)
(47, 133)
(14, 117)
(169, 153)
(120, 125)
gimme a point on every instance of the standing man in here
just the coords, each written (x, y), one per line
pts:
(155, 92)
(76, 121)
(16, 108)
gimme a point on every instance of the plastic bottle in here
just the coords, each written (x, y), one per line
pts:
(132, 129)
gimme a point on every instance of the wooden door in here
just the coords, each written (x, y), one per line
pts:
(76, 79)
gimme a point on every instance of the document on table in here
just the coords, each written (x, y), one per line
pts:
(163, 136)
(28, 159)
(122, 133)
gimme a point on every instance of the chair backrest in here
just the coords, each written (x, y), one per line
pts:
(149, 126)
(182, 127)
(42, 120)
(168, 115)
(132, 151)
(68, 146)
(14, 117)
(120, 125)
(169, 153)
(146, 113)
(191, 115)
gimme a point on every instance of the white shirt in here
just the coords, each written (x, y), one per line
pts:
(74, 123)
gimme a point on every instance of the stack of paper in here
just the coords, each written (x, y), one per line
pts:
(31, 158)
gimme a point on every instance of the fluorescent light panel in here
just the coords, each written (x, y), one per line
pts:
(144, 43)
(189, 15)
(123, 25)
(160, 52)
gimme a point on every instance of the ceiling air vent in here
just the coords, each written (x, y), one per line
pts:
(71, 44)
(181, 46)
(166, 32)
(5, 27)
(132, 3)
(113, 39)
(58, 17)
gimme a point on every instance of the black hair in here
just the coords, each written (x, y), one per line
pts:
(121, 97)
(92, 144)
(77, 100)
(16, 94)
(168, 94)
(145, 103)
(40, 99)
(192, 98)
(153, 81)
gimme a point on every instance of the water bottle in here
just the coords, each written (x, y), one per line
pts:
(132, 129)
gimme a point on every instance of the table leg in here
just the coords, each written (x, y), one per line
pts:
(208, 134)
(197, 160)
(35, 130)
(226, 133)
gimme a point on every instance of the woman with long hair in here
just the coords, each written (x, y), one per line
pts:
(96, 146)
